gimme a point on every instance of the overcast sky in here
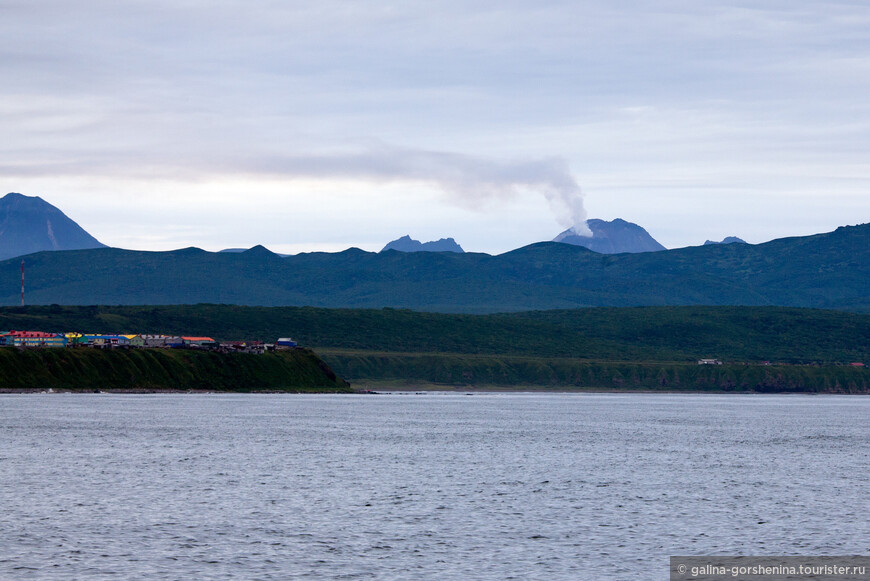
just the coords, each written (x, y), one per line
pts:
(323, 125)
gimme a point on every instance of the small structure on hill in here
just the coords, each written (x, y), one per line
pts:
(199, 342)
(33, 339)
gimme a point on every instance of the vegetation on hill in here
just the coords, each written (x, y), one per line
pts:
(408, 370)
(88, 369)
(830, 271)
(641, 347)
(745, 334)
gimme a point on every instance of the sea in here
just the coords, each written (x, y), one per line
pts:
(424, 485)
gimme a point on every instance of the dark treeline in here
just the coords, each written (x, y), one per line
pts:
(465, 371)
(673, 334)
(653, 348)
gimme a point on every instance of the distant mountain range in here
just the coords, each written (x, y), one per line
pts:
(727, 240)
(829, 270)
(408, 244)
(612, 238)
(30, 224)
(628, 268)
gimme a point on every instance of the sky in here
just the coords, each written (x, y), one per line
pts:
(319, 126)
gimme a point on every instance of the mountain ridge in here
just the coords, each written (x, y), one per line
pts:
(29, 224)
(726, 240)
(408, 244)
(829, 270)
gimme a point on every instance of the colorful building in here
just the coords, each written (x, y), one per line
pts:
(33, 339)
(199, 342)
(135, 340)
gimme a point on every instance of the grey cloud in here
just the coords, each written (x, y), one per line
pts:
(184, 90)
(467, 180)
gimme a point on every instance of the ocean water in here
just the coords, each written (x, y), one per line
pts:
(423, 486)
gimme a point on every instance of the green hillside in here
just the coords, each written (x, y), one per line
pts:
(751, 334)
(638, 347)
(440, 370)
(83, 369)
(830, 271)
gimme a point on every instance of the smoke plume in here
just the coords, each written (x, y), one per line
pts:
(466, 180)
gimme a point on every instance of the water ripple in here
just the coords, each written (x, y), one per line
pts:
(424, 487)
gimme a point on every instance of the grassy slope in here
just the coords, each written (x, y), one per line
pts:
(91, 369)
(830, 271)
(685, 334)
(649, 347)
(401, 370)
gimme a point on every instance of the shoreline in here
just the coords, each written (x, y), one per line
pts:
(586, 390)
(160, 391)
(379, 387)
(402, 388)
(491, 390)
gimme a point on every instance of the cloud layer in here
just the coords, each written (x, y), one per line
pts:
(695, 119)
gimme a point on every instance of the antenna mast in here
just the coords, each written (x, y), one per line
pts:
(22, 283)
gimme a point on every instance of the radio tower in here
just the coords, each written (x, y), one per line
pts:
(22, 283)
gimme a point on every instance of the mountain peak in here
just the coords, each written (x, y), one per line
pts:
(727, 240)
(14, 199)
(30, 224)
(258, 250)
(614, 237)
(408, 244)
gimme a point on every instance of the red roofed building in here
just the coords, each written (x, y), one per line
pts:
(33, 339)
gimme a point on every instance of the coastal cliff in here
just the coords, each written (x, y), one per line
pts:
(84, 369)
